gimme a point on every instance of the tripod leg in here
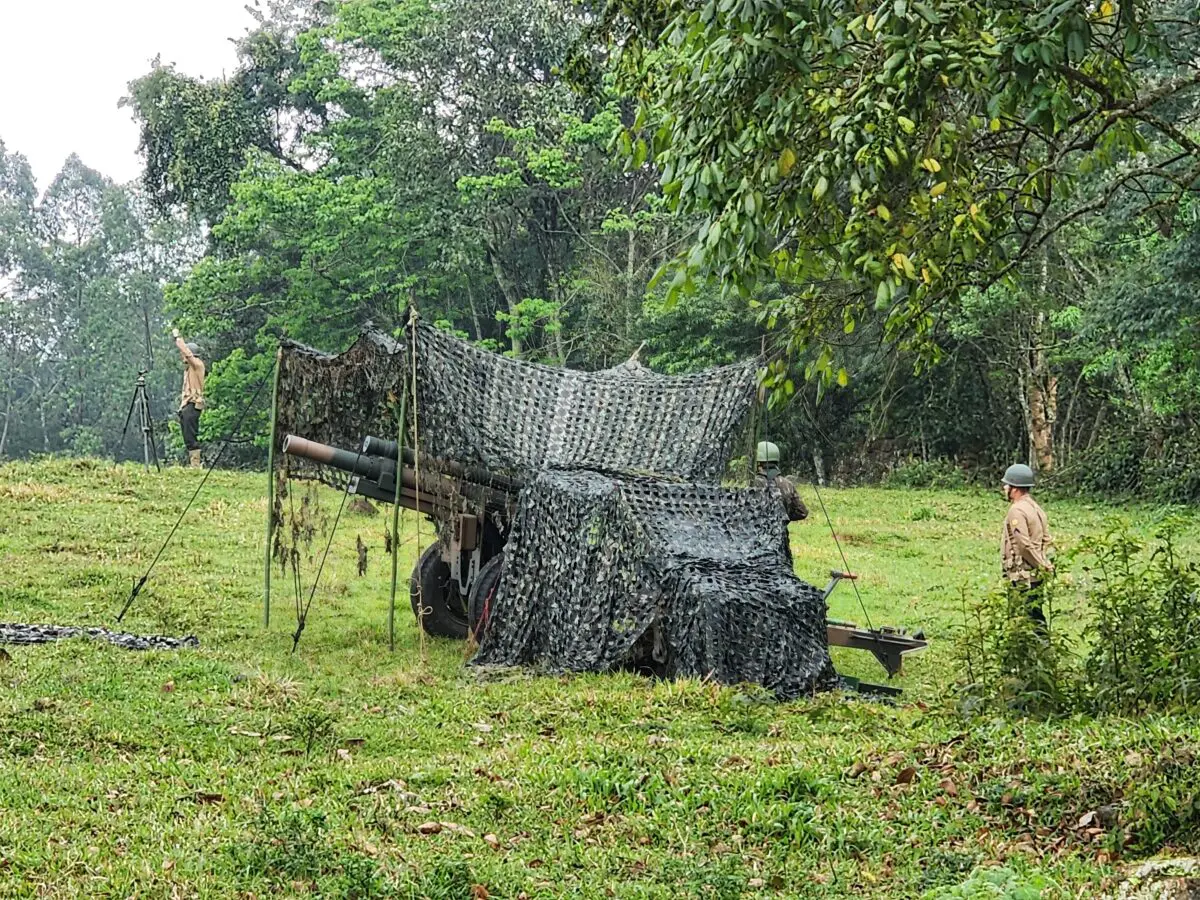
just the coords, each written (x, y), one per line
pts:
(128, 417)
(149, 447)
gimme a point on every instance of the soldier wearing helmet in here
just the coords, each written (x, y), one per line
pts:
(1026, 542)
(768, 473)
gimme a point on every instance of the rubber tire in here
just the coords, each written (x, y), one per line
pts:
(445, 611)
(482, 592)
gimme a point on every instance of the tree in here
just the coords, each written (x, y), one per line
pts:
(880, 160)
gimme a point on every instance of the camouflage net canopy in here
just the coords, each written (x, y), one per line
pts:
(683, 579)
(624, 549)
(337, 399)
(507, 415)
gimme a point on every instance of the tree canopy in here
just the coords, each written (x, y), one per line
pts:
(881, 159)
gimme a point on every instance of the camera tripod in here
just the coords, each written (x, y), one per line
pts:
(141, 403)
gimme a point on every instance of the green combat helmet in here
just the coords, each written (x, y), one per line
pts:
(1018, 475)
(768, 454)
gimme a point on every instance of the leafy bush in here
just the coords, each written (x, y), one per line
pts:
(1009, 661)
(1145, 650)
(915, 473)
(1138, 650)
(988, 884)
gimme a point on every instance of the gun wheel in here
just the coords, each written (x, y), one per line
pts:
(431, 586)
(482, 594)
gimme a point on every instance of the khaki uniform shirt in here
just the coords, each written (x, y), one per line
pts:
(1026, 542)
(193, 377)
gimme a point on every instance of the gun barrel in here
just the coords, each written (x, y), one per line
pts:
(354, 463)
(390, 450)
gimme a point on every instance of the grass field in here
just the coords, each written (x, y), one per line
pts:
(240, 769)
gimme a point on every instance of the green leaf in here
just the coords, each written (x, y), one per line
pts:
(820, 188)
(787, 159)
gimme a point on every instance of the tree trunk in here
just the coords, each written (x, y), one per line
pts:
(7, 417)
(632, 307)
(474, 312)
(1041, 385)
(818, 465)
(507, 289)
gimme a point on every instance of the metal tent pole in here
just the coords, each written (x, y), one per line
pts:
(271, 492)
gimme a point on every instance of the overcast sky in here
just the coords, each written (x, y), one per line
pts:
(64, 64)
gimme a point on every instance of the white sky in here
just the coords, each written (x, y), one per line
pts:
(64, 64)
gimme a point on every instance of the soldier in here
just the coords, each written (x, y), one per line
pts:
(1026, 541)
(768, 472)
(191, 399)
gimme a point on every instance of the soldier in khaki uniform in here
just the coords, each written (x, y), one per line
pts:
(768, 473)
(1025, 544)
(191, 399)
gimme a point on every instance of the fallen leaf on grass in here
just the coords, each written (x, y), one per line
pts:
(391, 784)
(1086, 819)
(354, 742)
(241, 733)
(343, 754)
(479, 892)
(492, 841)
(439, 827)
(484, 727)
(949, 787)
(168, 865)
(205, 797)
(168, 687)
(855, 770)
(906, 775)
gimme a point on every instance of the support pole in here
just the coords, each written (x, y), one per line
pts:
(396, 514)
(271, 491)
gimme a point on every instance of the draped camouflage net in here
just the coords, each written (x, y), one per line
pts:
(336, 398)
(513, 416)
(623, 547)
(682, 579)
(15, 633)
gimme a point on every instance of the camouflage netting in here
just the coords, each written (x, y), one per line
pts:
(685, 579)
(512, 416)
(337, 399)
(12, 633)
(625, 549)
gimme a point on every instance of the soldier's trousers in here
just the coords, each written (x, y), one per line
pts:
(1030, 598)
(189, 424)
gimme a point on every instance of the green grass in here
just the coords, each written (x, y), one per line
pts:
(240, 769)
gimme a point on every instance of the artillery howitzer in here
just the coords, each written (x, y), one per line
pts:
(471, 508)
(455, 578)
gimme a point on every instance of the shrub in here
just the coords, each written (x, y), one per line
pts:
(1139, 648)
(1008, 660)
(1145, 647)
(915, 473)
(994, 884)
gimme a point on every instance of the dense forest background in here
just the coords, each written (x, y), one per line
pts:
(375, 154)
